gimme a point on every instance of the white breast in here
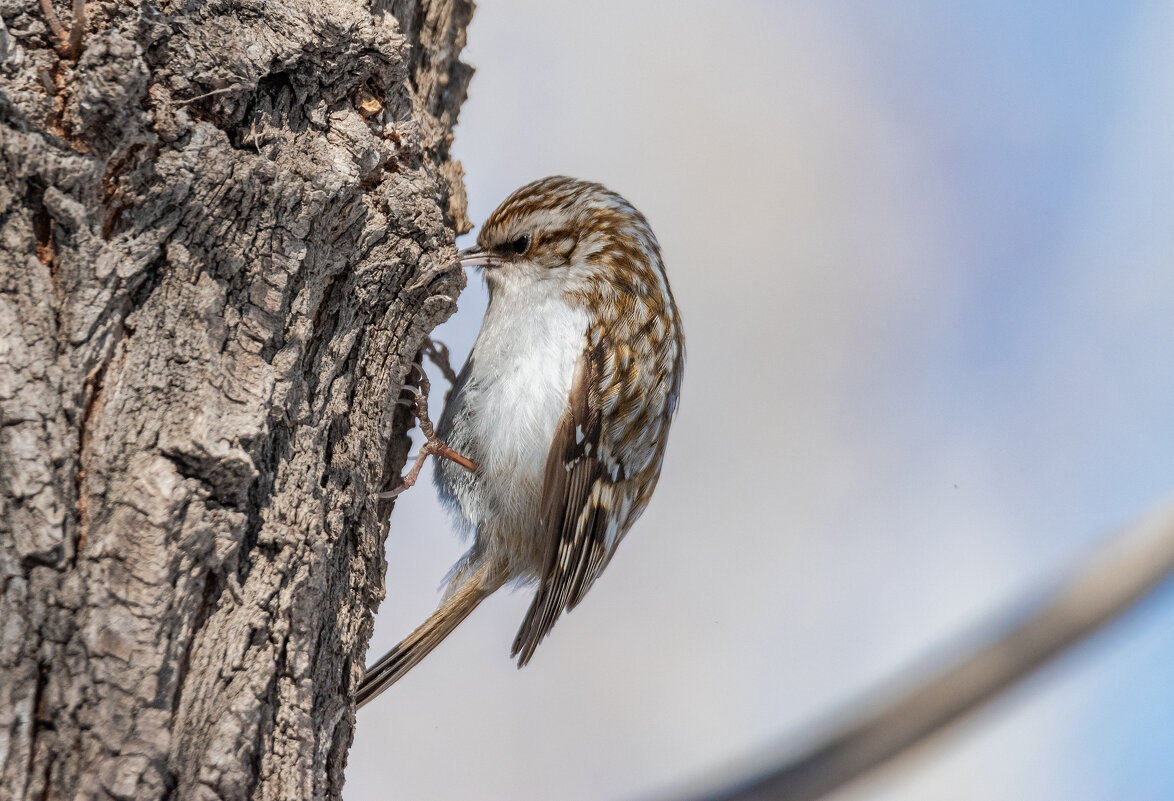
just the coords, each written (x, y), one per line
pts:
(523, 365)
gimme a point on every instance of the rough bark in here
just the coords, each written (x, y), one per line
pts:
(226, 227)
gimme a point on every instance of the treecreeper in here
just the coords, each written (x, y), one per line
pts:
(554, 434)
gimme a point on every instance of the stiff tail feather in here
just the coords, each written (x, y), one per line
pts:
(417, 645)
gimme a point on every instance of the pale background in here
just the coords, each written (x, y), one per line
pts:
(924, 253)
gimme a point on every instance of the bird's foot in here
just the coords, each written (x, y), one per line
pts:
(438, 353)
(432, 443)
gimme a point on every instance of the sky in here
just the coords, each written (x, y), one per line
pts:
(923, 254)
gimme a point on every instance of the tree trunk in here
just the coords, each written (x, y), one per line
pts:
(226, 227)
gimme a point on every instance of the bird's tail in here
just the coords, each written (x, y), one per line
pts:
(417, 645)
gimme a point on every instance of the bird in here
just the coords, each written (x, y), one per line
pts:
(554, 433)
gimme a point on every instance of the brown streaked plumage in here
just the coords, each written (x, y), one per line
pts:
(564, 406)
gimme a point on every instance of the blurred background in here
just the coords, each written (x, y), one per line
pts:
(924, 253)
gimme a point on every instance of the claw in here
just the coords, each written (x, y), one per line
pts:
(438, 353)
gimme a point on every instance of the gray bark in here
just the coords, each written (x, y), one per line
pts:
(226, 227)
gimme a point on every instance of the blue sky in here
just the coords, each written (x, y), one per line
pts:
(924, 257)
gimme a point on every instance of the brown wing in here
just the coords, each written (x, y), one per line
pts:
(583, 504)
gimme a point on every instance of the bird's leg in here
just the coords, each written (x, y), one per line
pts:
(432, 443)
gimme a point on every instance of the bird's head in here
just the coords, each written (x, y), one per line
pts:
(580, 234)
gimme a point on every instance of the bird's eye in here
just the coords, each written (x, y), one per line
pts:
(520, 245)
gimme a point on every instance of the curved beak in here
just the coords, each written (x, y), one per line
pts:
(475, 257)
